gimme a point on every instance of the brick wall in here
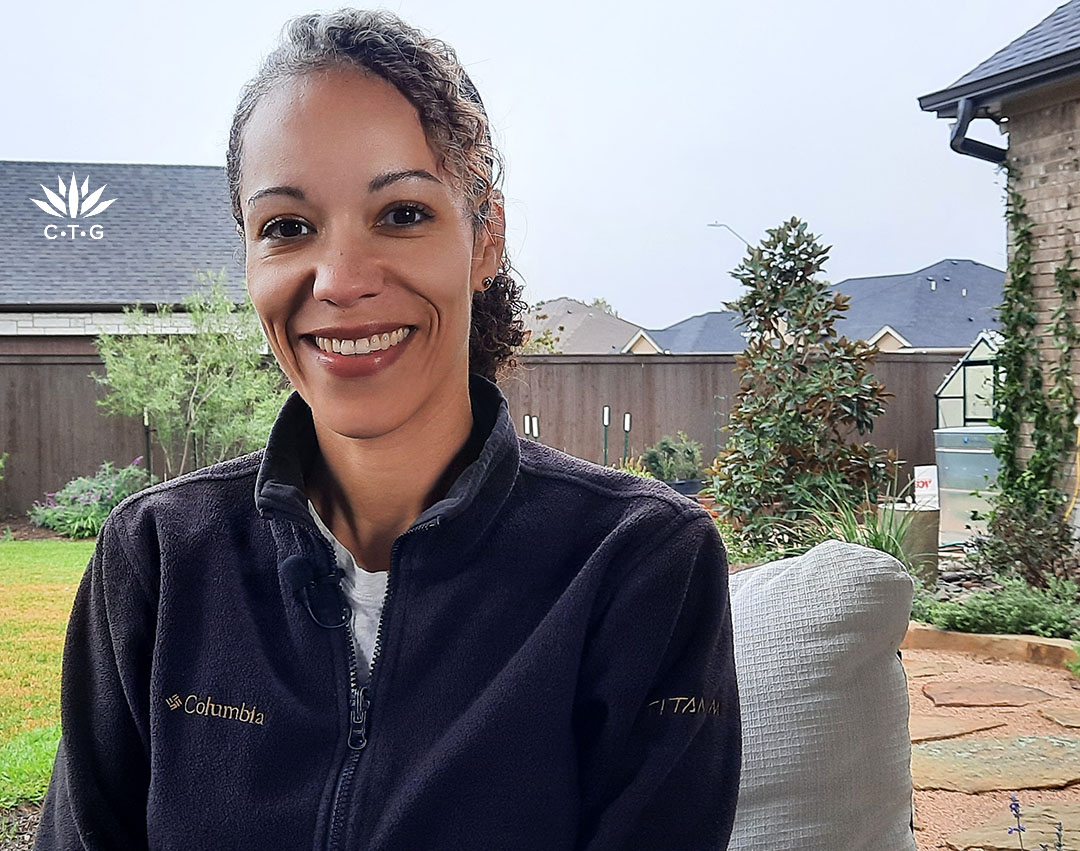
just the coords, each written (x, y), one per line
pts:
(1044, 144)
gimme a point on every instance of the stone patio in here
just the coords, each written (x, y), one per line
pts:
(982, 729)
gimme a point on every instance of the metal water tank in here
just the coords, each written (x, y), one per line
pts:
(966, 465)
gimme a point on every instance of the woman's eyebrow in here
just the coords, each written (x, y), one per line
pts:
(291, 191)
(377, 183)
(384, 180)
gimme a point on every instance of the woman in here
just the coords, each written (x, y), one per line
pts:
(420, 633)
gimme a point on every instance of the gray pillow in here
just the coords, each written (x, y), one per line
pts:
(826, 751)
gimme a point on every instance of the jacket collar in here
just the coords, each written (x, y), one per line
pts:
(485, 483)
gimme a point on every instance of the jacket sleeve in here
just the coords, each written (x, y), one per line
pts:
(98, 792)
(658, 724)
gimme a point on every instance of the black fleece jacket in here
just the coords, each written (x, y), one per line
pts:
(553, 669)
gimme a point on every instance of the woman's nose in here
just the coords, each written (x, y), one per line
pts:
(347, 272)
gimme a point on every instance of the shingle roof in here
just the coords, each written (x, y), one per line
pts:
(706, 333)
(949, 313)
(167, 223)
(581, 329)
(1048, 49)
(961, 303)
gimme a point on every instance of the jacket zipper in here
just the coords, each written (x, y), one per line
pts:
(359, 697)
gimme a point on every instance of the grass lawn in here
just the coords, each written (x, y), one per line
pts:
(38, 580)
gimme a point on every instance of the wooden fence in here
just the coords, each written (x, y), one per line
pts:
(53, 430)
(694, 393)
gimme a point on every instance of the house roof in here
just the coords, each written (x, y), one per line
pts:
(944, 305)
(168, 223)
(1048, 52)
(581, 329)
(706, 333)
(948, 315)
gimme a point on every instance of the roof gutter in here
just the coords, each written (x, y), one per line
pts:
(959, 142)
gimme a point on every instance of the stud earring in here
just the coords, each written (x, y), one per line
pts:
(487, 282)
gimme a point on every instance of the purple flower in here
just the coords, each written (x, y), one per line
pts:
(136, 462)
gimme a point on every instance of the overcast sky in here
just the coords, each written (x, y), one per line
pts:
(626, 126)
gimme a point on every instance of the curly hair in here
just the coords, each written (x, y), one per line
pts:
(428, 74)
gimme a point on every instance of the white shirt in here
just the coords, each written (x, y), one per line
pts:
(365, 590)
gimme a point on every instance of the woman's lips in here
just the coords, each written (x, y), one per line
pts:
(358, 364)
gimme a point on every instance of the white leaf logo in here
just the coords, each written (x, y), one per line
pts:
(73, 201)
(73, 198)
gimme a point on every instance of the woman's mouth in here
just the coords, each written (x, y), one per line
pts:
(363, 345)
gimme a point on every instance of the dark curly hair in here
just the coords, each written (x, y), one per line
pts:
(428, 74)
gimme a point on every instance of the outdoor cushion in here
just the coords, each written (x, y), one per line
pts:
(826, 753)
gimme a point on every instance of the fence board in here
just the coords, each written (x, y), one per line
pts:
(50, 424)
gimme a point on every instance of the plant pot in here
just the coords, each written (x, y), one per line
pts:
(687, 487)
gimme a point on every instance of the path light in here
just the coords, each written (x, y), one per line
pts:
(146, 438)
(606, 419)
(626, 436)
(527, 425)
(536, 428)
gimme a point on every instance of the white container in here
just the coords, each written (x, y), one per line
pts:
(967, 475)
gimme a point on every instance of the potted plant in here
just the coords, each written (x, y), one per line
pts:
(676, 461)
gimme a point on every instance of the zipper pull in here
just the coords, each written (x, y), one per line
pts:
(358, 719)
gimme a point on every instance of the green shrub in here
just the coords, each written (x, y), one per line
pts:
(1014, 609)
(832, 515)
(633, 466)
(80, 507)
(673, 459)
(1030, 536)
(740, 550)
(803, 391)
(3, 461)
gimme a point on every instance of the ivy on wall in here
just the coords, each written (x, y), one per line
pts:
(1034, 394)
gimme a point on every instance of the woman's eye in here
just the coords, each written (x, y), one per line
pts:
(285, 229)
(405, 216)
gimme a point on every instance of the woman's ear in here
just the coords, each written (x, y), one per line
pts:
(489, 244)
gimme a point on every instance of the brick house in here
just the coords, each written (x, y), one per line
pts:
(1031, 90)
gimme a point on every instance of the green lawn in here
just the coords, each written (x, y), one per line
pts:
(38, 580)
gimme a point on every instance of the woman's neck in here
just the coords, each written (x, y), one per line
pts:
(368, 491)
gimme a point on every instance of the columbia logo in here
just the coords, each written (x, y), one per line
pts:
(174, 702)
(73, 202)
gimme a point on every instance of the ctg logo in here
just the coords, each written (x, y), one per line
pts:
(75, 203)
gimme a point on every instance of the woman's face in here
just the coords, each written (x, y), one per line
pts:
(361, 259)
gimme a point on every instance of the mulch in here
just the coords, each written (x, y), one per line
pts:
(23, 530)
(17, 827)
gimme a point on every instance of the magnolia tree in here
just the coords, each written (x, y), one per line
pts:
(209, 395)
(804, 393)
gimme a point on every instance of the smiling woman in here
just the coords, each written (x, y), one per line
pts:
(451, 638)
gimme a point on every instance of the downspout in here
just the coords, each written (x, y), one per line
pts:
(959, 142)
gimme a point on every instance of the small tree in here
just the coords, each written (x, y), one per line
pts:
(210, 395)
(604, 305)
(803, 392)
(544, 343)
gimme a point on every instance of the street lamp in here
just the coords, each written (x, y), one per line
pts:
(730, 229)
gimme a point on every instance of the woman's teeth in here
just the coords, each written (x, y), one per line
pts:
(363, 346)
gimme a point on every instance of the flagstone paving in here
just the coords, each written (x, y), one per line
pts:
(986, 727)
(1066, 716)
(985, 765)
(928, 728)
(1038, 822)
(923, 668)
(983, 694)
